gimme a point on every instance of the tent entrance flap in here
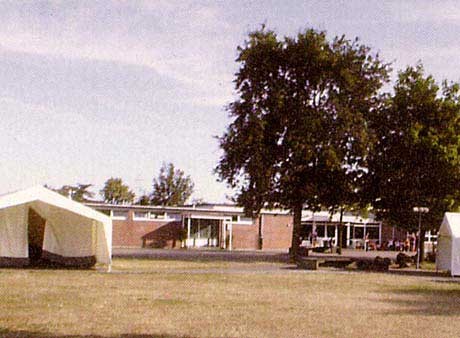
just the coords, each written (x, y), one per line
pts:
(35, 235)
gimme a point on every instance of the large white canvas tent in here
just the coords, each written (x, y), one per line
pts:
(448, 254)
(38, 223)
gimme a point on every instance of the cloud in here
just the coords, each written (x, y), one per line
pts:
(175, 41)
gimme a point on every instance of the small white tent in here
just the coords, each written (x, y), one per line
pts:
(448, 254)
(63, 231)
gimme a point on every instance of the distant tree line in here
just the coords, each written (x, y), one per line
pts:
(171, 187)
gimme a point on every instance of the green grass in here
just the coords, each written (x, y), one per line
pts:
(223, 299)
(428, 265)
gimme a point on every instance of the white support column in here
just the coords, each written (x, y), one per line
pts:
(189, 224)
(230, 246)
(224, 235)
(336, 235)
(380, 234)
(348, 234)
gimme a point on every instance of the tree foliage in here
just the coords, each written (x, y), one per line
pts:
(172, 187)
(143, 200)
(299, 130)
(116, 192)
(78, 192)
(416, 159)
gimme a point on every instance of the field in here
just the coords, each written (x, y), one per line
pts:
(159, 298)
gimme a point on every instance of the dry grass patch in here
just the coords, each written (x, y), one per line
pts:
(223, 299)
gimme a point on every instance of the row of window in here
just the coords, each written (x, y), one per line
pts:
(153, 215)
(142, 215)
(159, 215)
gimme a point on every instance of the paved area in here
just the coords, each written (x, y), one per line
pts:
(238, 256)
(361, 254)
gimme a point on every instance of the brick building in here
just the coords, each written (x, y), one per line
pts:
(226, 226)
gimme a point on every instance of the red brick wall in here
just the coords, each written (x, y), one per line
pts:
(156, 234)
(245, 236)
(277, 232)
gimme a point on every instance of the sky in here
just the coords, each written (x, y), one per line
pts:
(96, 89)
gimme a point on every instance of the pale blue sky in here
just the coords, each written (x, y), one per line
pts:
(94, 89)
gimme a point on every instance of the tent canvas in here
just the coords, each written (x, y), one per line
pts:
(448, 254)
(70, 233)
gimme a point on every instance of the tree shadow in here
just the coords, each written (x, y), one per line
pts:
(426, 300)
(205, 255)
(6, 333)
(166, 236)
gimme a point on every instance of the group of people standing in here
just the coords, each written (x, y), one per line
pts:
(407, 245)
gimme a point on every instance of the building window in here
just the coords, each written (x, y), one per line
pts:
(119, 214)
(174, 217)
(243, 219)
(320, 230)
(373, 232)
(330, 231)
(141, 215)
(157, 215)
(359, 232)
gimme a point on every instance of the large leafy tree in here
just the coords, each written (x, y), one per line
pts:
(299, 130)
(116, 192)
(171, 187)
(416, 158)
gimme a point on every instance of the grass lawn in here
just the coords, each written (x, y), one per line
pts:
(144, 298)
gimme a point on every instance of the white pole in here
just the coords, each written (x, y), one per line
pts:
(419, 237)
(224, 234)
(230, 246)
(189, 219)
(420, 210)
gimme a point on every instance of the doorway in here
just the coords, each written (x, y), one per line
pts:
(35, 235)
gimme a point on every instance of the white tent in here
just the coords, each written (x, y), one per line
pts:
(448, 254)
(64, 231)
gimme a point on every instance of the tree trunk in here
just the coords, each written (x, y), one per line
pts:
(339, 246)
(261, 235)
(296, 231)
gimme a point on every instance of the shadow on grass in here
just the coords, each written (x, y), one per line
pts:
(205, 256)
(5, 333)
(425, 299)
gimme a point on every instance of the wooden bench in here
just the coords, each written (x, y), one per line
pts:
(304, 250)
(309, 263)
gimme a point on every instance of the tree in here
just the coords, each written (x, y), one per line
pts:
(171, 187)
(143, 200)
(116, 192)
(416, 158)
(77, 192)
(299, 130)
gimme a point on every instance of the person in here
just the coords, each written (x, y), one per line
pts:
(391, 244)
(366, 242)
(414, 242)
(314, 238)
(407, 244)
